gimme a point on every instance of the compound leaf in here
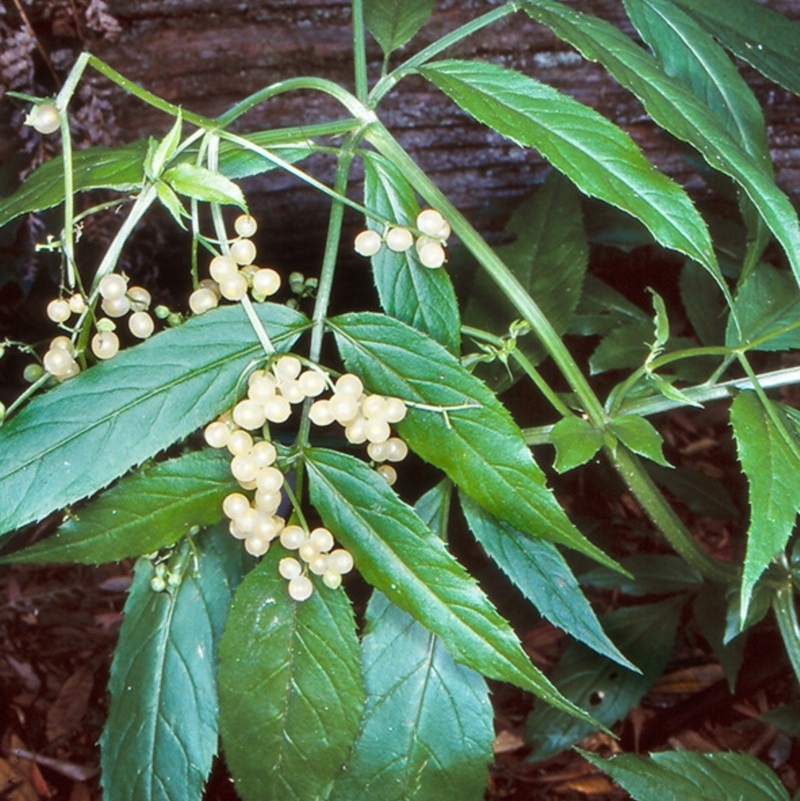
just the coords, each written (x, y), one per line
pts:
(399, 555)
(462, 429)
(147, 510)
(161, 733)
(290, 687)
(690, 776)
(73, 440)
(600, 158)
(757, 34)
(438, 711)
(679, 111)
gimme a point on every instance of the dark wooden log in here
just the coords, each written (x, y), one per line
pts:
(207, 54)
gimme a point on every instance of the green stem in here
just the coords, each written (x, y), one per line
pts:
(386, 83)
(328, 269)
(618, 394)
(222, 235)
(775, 419)
(783, 605)
(664, 518)
(704, 393)
(359, 51)
(525, 364)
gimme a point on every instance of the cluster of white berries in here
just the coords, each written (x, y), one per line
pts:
(315, 549)
(429, 245)
(270, 396)
(233, 275)
(366, 418)
(116, 299)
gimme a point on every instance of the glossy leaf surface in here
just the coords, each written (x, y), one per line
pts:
(773, 473)
(399, 555)
(759, 35)
(596, 155)
(476, 442)
(645, 634)
(575, 441)
(677, 110)
(394, 22)
(640, 436)
(438, 712)
(73, 440)
(767, 308)
(122, 169)
(290, 687)
(690, 776)
(544, 578)
(161, 733)
(421, 297)
(147, 510)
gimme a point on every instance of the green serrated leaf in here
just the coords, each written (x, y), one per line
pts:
(544, 578)
(690, 776)
(423, 298)
(122, 169)
(602, 309)
(639, 435)
(548, 255)
(646, 635)
(625, 346)
(702, 303)
(201, 183)
(690, 54)
(290, 687)
(395, 22)
(171, 202)
(773, 473)
(767, 308)
(476, 442)
(161, 733)
(165, 150)
(660, 324)
(575, 441)
(600, 158)
(74, 439)
(438, 712)
(150, 509)
(399, 555)
(427, 730)
(759, 35)
(680, 112)
(118, 168)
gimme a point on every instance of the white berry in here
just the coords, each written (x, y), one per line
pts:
(245, 225)
(112, 286)
(58, 310)
(44, 118)
(243, 251)
(300, 588)
(203, 300)
(368, 243)
(141, 324)
(105, 344)
(399, 239)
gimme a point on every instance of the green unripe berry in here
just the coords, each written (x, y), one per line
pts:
(32, 372)
(157, 584)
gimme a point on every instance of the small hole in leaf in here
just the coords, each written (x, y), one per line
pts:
(596, 698)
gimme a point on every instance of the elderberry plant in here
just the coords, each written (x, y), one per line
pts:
(253, 474)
